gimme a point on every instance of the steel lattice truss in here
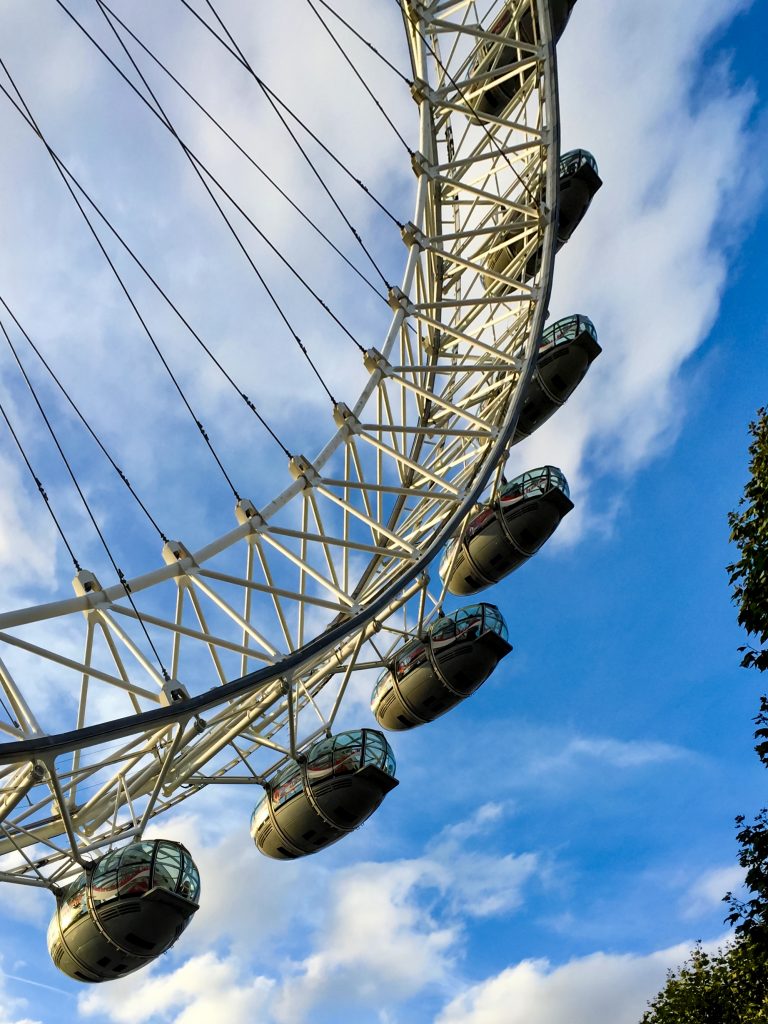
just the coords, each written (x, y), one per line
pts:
(322, 583)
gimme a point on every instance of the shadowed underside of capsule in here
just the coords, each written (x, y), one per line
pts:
(431, 675)
(507, 532)
(518, 240)
(494, 59)
(566, 351)
(315, 802)
(126, 911)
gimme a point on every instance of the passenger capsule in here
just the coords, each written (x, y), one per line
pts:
(314, 802)
(430, 675)
(493, 58)
(579, 183)
(125, 911)
(518, 238)
(505, 533)
(566, 351)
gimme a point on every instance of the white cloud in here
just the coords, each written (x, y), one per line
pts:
(599, 987)
(378, 943)
(203, 989)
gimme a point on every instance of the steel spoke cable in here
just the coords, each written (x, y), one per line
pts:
(298, 276)
(118, 571)
(295, 206)
(11, 718)
(193, 163)
(359, 77)
(39, 484)
(196, 162)
(408, 81)
(491, 137)
(83, 420)
(105, 220)
(329, 152)
(281, 103)
(125, 290)
(275, 101)
(268, 95)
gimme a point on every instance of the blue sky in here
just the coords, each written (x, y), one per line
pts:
(560, 840)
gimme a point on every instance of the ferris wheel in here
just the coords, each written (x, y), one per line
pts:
(232, 663)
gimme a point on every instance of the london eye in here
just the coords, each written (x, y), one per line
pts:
(228, 662)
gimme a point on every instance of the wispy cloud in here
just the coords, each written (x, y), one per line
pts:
(582, 752)
(708, 890)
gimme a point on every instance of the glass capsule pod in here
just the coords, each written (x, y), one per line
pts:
(126, 910)
(508, 531)
(578, 182)
(493, 58)
(432, 674)
(566, 351)
(316, 801)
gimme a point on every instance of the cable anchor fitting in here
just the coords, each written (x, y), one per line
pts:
(300, 467)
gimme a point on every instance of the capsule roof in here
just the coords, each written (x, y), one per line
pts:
(337, 755)
(451, 625)
(535, 481)
(565, 330)
(574, 159)
(148, 865)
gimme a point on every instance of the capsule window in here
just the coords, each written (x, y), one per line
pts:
(375, 749)
(133, 873)
(167, 866)
(190, 880)
(347, 759)
(104, 879)
(443, 629)
(287, 789)
(104, 888)
(413, 655)
(469, 622)
(75, 904)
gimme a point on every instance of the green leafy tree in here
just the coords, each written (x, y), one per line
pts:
(731, 985)
(749, 532)
(726, 987)
(749, 579)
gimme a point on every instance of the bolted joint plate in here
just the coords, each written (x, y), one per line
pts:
(172, 692)
(421, 165)
(413, 236)
(375, 362)
(398, 300)
(301, 467)
(345, 419)
(86, 584)
(422, 91)
(246, 512)
(174, 552)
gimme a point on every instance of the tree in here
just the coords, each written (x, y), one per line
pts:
(726, 987)
(749, 532)
(731, 985)
(749, 579)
